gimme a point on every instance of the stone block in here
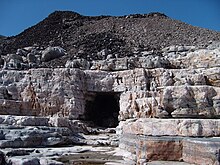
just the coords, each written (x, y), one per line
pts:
(152, 147)
(203, 151)
(177, 127)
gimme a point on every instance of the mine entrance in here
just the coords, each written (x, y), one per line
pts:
(103, 109)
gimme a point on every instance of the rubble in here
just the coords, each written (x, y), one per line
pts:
(94, 38)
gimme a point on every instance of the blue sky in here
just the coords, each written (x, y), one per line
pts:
(17, 15)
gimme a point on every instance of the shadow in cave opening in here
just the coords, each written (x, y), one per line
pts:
(103, 109)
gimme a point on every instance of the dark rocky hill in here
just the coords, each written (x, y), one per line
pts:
(2, 37)
(86, 36)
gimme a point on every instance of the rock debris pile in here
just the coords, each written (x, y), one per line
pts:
(94, 38)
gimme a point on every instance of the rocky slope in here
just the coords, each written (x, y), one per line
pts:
(95, 38)
(71, 79)
(1, 36)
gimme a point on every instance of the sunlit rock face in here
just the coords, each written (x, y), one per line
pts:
(42, 92)
(169, 102)
(153, 80)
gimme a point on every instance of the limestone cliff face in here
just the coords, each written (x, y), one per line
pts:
(181, 88)
(186, 91)
(43, 92)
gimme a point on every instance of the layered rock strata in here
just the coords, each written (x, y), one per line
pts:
(190, 140)
(183, 93)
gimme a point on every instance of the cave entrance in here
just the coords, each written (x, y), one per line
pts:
(102, 109)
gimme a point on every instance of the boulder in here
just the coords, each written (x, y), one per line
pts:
(14, 61)
(78, 63)
(31, 58)
(15, 57)
(51, 53)
(21, 52)
(214, 45)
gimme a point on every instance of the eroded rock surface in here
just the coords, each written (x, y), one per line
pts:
(61, 100)
(161, 90)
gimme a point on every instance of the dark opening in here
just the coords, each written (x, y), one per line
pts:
(103, 109)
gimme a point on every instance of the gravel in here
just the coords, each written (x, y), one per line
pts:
(88, 37)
